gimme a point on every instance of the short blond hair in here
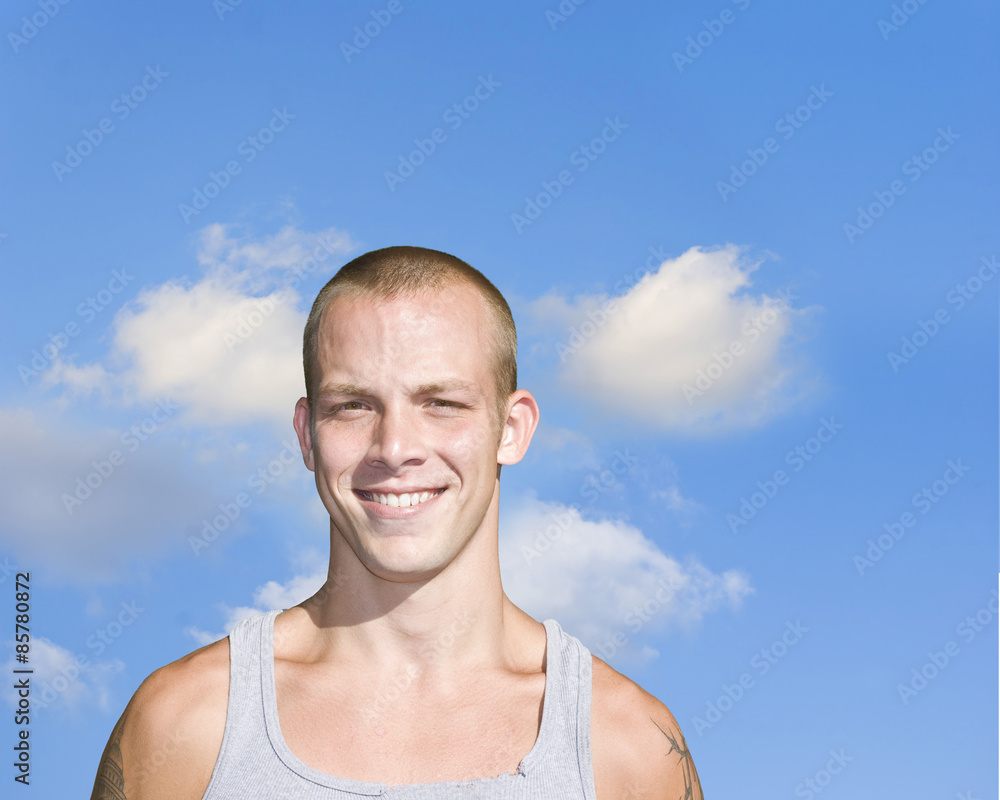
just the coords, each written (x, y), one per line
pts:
(406, 271)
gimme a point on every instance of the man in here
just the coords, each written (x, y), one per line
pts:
(410, 673)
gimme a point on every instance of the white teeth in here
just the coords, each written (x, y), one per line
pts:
(404, 500)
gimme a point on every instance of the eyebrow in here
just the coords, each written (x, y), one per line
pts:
(351, 389)
(354, 390)
(445, 386)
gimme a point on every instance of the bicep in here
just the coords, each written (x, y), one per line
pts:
(110, 781)
(675, 768)
(164, 747)
(638, 749)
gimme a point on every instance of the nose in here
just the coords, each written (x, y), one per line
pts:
(397, 441)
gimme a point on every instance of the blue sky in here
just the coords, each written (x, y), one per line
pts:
(751, 250)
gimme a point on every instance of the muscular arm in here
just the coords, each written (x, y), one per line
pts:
(110, 781)
(638, 750)
(679, 765)
(165, 745)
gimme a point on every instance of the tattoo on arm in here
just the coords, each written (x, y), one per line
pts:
(692, 786)
(110, 782)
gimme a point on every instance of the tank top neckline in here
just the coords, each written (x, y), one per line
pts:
(554, 681)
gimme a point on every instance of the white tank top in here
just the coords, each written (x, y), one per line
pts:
(255, 762)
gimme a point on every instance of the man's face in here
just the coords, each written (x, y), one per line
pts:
(404, 432)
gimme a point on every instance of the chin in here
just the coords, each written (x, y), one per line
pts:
(403, 571)
(403, 565)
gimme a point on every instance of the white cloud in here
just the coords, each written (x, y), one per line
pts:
(592, 575)
(272, 595)
(675, 501)
(227, 347)
(226, 357)
(60, 678)
(285, 595)
(68, 507)
(692, 323)
(82, 380)
(286, 250)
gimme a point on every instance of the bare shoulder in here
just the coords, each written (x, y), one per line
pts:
(167, 740)
(638, 750)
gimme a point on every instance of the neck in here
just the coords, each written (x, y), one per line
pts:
(458, 618)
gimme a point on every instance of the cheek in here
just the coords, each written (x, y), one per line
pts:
(471, 445)
(334, 455)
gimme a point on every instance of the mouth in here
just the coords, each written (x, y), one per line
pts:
(400, 499)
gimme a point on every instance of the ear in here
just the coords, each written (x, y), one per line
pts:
(303, 429)
(522, 419)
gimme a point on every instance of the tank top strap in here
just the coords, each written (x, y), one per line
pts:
(561, 757)
(245, 738)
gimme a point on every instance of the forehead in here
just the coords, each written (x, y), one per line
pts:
(431, 335)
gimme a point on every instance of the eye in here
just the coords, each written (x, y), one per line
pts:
(350, 405)
(437, 402)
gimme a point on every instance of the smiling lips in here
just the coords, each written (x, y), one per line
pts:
(403, 500)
